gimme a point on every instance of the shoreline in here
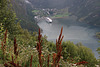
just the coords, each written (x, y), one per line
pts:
(59, 17)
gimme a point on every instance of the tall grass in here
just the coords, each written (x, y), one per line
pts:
(43, 61)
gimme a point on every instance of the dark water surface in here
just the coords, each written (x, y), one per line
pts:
(73, 31)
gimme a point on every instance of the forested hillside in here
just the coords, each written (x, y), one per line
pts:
(24, 14)
(86, 10)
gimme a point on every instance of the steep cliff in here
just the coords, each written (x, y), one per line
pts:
(87, 10)
(23, 9)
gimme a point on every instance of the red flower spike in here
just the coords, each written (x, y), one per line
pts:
(48, 61)
(59, 50)
(31, 61)
(6, 65)
(54, 58)
(60, 35)
(15, 47)
(57, 65)
(18, 65)
(83, 62)
(2, 46)
(12, 63)
(38, 65)
(25, 65)
(39, 48)
(12, 59)
(61, 39)
(5, 36)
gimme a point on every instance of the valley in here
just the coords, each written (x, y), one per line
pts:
(49, 33)
(82, 11)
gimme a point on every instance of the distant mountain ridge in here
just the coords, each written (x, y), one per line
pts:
(86, 10)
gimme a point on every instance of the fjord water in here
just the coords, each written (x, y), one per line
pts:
(73, 31)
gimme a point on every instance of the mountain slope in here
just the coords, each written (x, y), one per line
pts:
(49, 3)
(85, 10)
(23, 11)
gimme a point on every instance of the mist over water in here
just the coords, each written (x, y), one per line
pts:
(73, 31)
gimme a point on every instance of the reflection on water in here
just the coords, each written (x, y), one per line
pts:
(73, 31)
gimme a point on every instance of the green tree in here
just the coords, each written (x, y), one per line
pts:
(98, 35)
(98, 50)
(1, 30)
(51, 47)
(7, 16)
(69, 50)
(87, 55)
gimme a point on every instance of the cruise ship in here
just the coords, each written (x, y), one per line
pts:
(47, 19)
